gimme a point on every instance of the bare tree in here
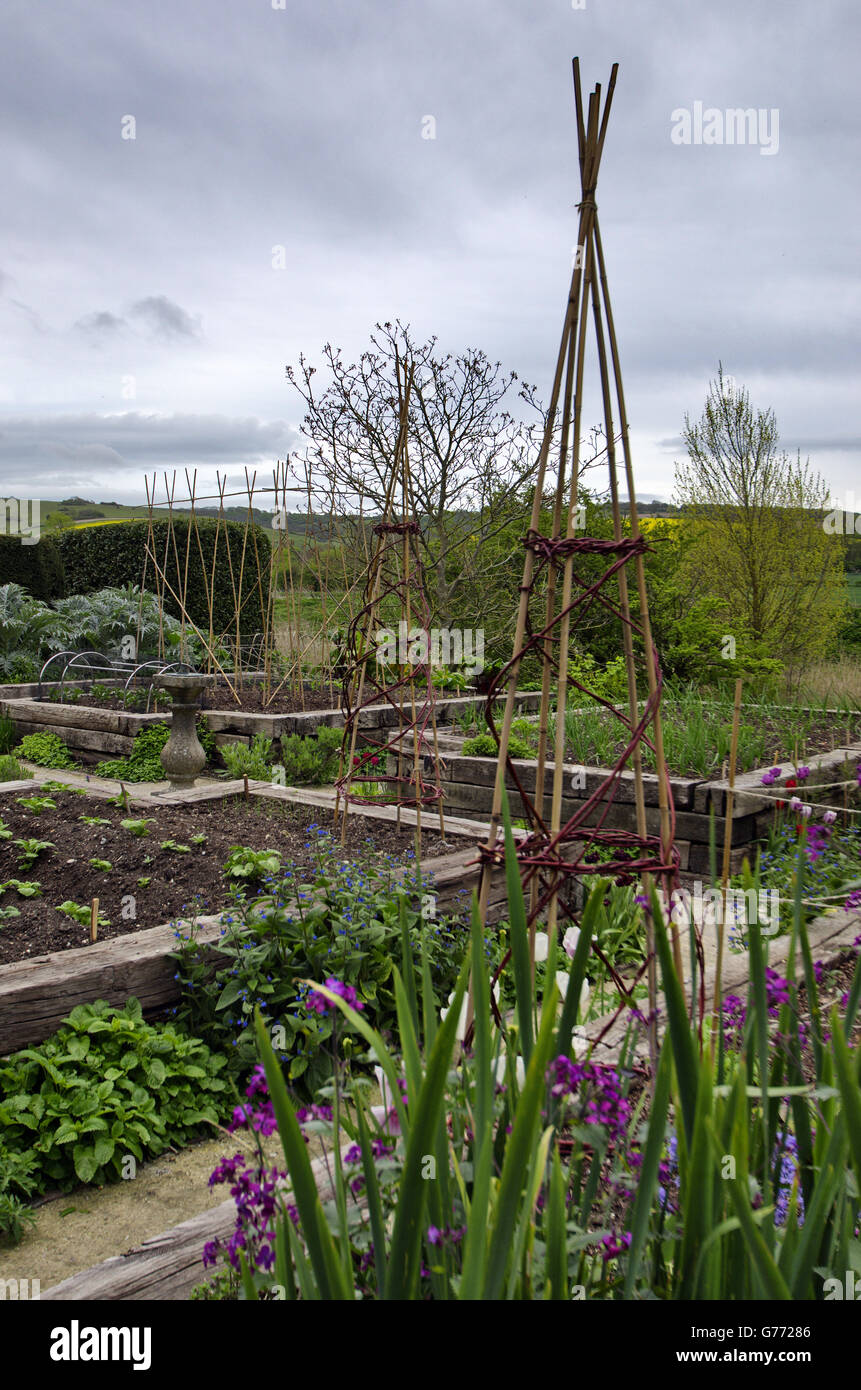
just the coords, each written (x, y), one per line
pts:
(471, 458)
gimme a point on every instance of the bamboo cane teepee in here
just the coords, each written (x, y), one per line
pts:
(555, 850)
(401, 768)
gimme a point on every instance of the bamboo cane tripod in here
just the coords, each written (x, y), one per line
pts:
(402, 768)
(553, 852)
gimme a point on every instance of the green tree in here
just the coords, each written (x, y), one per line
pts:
(756, 517)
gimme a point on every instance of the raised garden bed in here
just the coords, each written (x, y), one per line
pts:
(37, 991)
(166, 868)
(468, 790)
(103, 728)
(697, 737)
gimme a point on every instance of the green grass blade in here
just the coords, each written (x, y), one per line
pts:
(577, 973)
(321, 1247)
(520, 1144)
(519, 937)
(426, 1108)
(648, 1179)
(681, 1041)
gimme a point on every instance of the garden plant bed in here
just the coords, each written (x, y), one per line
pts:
(697, 737)
(177, 880)
(168, 1266)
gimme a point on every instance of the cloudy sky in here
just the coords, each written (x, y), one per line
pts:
(144, 326)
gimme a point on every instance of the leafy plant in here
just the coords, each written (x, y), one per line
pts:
(251, 865)
(13, 771)
(343, 917)
(253, 762)
(81, 914)
(6, 913)
(7, 735)
(175, 847)
(313, 761)
(37, 804)
(485, 746)
(24, 621)
(45, 750)
(94, 820)
(103, 866)
(106, 1087)
(5, 832)
(30, 850)
(62, 787)
(143, 763)
(25, 888)
(138, 827)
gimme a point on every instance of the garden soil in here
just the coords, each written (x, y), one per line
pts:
(183, 878)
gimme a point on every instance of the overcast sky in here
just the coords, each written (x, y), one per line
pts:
(143, 325)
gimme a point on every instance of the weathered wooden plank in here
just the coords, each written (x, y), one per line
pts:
(109, 721)
(94, 741)
(35, 994)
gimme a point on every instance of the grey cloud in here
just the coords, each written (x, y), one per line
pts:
(165, 318)
(112, 449)
(101, 324)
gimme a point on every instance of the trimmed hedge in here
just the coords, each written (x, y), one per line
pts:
(97, 556)
(38, 568)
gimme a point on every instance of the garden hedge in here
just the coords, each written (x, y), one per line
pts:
(97, 556)
(38, 568)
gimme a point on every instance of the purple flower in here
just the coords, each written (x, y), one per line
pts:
(735, 1018)
(803, 773)
(614, 1247)
(777, 989)
(318, 1003)
(435, 1235)
(257, 1082)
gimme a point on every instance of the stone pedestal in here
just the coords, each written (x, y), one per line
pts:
(183, 757)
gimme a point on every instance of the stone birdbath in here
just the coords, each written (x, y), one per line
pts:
(183, 757)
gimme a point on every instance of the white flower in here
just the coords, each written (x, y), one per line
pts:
(460, 1031)
(562, 985)
(829, 817)
(806, 811)
(569, 941)
(385, 1114)
(795, 804)
(542, 945)
(502, 1070)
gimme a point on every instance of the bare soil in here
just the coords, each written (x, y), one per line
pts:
(179, 881)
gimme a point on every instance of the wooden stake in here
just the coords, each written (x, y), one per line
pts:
(727, 857)
(94, 919)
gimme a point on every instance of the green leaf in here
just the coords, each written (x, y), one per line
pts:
(86, 1162)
